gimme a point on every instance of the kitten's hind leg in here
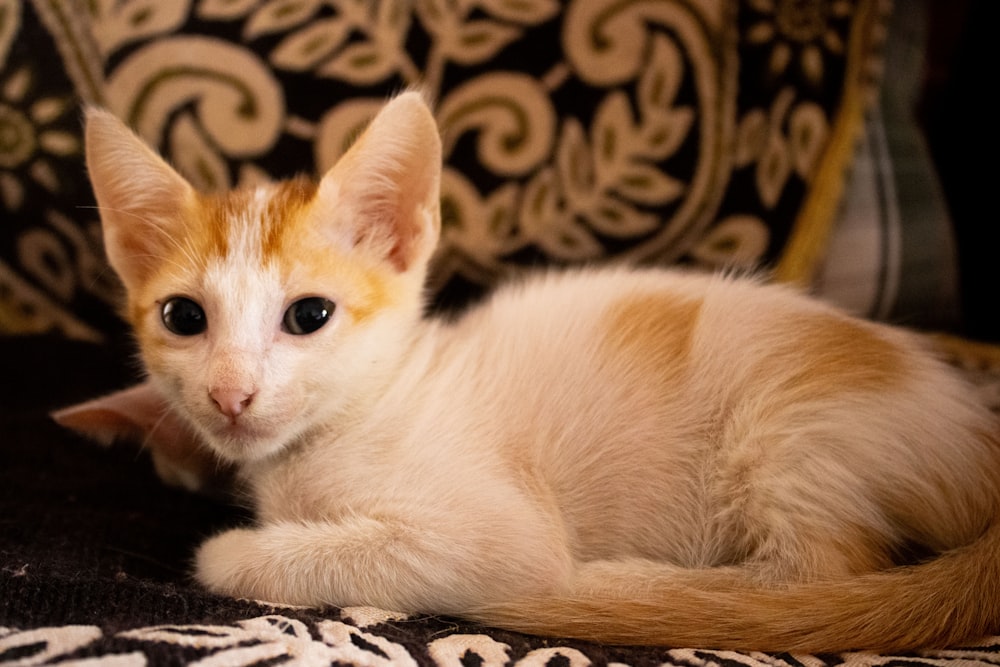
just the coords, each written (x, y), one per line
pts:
(368, 561)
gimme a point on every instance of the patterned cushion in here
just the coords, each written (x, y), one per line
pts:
(712, 133)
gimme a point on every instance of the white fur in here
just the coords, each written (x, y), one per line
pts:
(441, 451)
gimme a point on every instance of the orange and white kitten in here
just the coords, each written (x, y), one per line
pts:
(622, 455)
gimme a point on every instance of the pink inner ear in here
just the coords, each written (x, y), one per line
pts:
(389, 182)
(138, 413)
(105, 425)
(139, 196)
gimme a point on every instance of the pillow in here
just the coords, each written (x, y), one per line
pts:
(714, 134)
(892, 253)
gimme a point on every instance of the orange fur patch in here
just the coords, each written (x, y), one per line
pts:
(374, 296)
(656, 328)
(285, 207)
(293, 237)
(832, 353)
(217, 212)
(289, 237)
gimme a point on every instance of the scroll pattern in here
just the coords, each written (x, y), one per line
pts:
(645, 130)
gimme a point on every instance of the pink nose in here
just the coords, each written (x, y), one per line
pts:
(231, 402)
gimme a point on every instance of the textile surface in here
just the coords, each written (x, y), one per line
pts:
(95, 560)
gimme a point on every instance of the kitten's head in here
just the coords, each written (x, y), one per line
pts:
(263, 313)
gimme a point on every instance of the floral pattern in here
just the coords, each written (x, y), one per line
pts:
(656, 131)
(27, 141)
(51, 263)
(799, 34)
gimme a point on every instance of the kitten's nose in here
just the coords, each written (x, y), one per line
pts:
(231, 402)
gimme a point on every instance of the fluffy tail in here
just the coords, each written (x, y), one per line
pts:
(952, 599)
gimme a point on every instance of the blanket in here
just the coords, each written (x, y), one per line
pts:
(95, 562)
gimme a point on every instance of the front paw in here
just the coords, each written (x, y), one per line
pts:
(229, 564)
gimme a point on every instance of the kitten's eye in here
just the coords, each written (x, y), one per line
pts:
(307, 315)
(183, 316)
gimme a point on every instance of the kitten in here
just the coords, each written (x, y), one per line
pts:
(621, 455)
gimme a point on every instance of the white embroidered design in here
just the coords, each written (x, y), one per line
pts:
(269, 637)
(274, 639)
(51, 646)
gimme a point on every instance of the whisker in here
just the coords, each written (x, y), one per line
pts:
(159, 422)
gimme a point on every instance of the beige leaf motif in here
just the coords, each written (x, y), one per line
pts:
(44, 174)
(366, 617)
(225, 10)
(660, 81)
(18, 84)
(500, 217)
(393, 18)
(602, 182)
(363, 63)
(611, 134)
(477, 41)
(662, 133)
(807, 132)
(575, 163)
(613, 217)
(280, 15)
(540, 201)
(10, 23)
(551, 228)
(751, 137)
(119, 23)
(773, 169)
(483, 228)
(29, 310)
(434, 14)
(87, 249)
(11, 191)
(59, 143)
(664, 126)
(306, 48)
(738, 241)
(46, 260)
(48, 109)
(525, 12)
(644, 183)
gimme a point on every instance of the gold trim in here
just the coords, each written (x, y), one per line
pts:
(807, 244)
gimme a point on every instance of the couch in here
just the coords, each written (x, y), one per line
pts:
(720, 135)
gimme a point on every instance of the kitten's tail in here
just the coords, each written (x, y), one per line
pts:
(952, 599)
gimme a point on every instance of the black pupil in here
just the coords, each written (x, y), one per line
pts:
(308, 315)
(183, 316)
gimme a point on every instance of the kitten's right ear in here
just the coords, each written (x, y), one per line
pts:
(139, 195)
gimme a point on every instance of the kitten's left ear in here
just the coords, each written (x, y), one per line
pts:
(142, 415)
(387, 186)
